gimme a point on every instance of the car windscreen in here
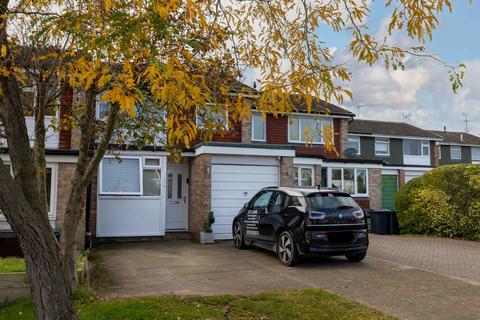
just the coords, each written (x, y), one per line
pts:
(331, 201)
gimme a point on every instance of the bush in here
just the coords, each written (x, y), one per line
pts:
(443, 202)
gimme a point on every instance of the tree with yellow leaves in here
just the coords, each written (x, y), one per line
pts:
(169, 57)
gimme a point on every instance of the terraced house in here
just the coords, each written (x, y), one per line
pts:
(458, 147)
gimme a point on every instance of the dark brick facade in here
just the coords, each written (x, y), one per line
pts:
(65, 134)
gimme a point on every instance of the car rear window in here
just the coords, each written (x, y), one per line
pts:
(331, 201)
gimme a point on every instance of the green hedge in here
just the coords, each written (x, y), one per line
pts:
(444, 202)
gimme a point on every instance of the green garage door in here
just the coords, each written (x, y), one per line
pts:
(389, 189)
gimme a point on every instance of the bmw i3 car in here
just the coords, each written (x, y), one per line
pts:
(296, 222)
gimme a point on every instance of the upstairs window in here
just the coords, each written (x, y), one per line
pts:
(382, 147)
(455, 152)
(354, 143)
(258, 127)
(416, 148)
(30, 94)
(211, 119)
(310, 129)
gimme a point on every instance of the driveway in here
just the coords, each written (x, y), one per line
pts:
(408, 277)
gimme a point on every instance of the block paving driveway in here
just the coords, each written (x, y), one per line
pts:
(407, 277)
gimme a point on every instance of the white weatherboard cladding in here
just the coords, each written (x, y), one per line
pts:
(409, 175)
(235, 180)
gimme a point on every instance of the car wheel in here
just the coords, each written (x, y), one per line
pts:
(238, 239)
(356, 257)
(287, 249)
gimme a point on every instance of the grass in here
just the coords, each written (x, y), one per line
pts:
(303, 304)
(12, 264)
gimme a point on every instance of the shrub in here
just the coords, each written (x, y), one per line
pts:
(207, 227)
(444, 202)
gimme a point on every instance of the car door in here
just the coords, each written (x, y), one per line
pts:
(271, 219)
(256, 210)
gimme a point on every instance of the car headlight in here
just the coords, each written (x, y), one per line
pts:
(358, 214)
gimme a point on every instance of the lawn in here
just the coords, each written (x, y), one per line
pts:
(303, 304)
(8, 265)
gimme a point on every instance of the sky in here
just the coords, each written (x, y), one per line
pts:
(422, 94)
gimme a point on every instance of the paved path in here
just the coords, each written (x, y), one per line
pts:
(408, 277)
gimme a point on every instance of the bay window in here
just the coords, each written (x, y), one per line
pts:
(351, 180)
(416, 147)
(130, 176)
(258, 127)
(382, 147)
(310, 129)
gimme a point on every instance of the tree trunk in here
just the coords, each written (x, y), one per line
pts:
(50, 297)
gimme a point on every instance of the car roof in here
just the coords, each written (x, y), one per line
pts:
(304, 191)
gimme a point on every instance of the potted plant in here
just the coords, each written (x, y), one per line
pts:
(206, 236)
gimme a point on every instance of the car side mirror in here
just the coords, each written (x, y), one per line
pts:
(246, 205)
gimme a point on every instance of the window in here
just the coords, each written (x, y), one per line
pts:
(303, 176)
(354, 143)
(258, 128)
(121, 176)
(29, 95)
(276, 202)
(416, 148)
(455, 152)
(151, 177)
(351, 180)
(261, 202)
(382, 147)
(309, 129)
(211, 119)
(476, 153)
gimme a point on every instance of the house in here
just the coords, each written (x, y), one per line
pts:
(61, 158)
(148, 194)
(406, 152)
(458, 147)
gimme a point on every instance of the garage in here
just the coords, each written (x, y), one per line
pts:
(409, 175)
(235, 180)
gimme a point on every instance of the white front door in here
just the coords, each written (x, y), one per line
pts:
(177, 201)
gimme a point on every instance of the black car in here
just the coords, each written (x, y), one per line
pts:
(295, 222)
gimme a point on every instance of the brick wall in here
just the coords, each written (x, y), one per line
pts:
(363, 202)
(65, 134)
(246, 130)
(375, 187)
(401, 178)
(343, 135)
(435, 154)
(277, 129)
(286, 172)
(200, 187)
(64, 186)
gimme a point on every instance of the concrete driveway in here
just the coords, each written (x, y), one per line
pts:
(408, 277)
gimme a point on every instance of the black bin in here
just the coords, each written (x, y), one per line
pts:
(383, 221)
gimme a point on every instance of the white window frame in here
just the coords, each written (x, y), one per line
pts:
(257, 114)
(439, 152)
(140, 169)
(34, 90)
(457, 148)
(145, 166)
(329, 180)
(472, 152)
(422, 144)
(356, 139)
(201, 126)
(299, 177)
(52, 213)
(300, 131)
(382, 141)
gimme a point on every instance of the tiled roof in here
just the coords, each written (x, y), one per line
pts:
(451, 137)
(389, 128)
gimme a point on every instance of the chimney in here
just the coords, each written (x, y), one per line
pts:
(445, 129)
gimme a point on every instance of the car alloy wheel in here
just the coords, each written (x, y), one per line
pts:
(287, 250)
(238, 235)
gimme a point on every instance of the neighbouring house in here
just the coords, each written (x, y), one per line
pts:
(61, 157)
(458, 147)
(406, 152)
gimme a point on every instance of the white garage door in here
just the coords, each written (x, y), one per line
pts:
(235, 180)
(409, 175)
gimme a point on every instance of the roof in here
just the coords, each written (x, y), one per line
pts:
(389, 128)
(461, 138)
(303, 191)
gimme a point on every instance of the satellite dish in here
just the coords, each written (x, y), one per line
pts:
(350, 153)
